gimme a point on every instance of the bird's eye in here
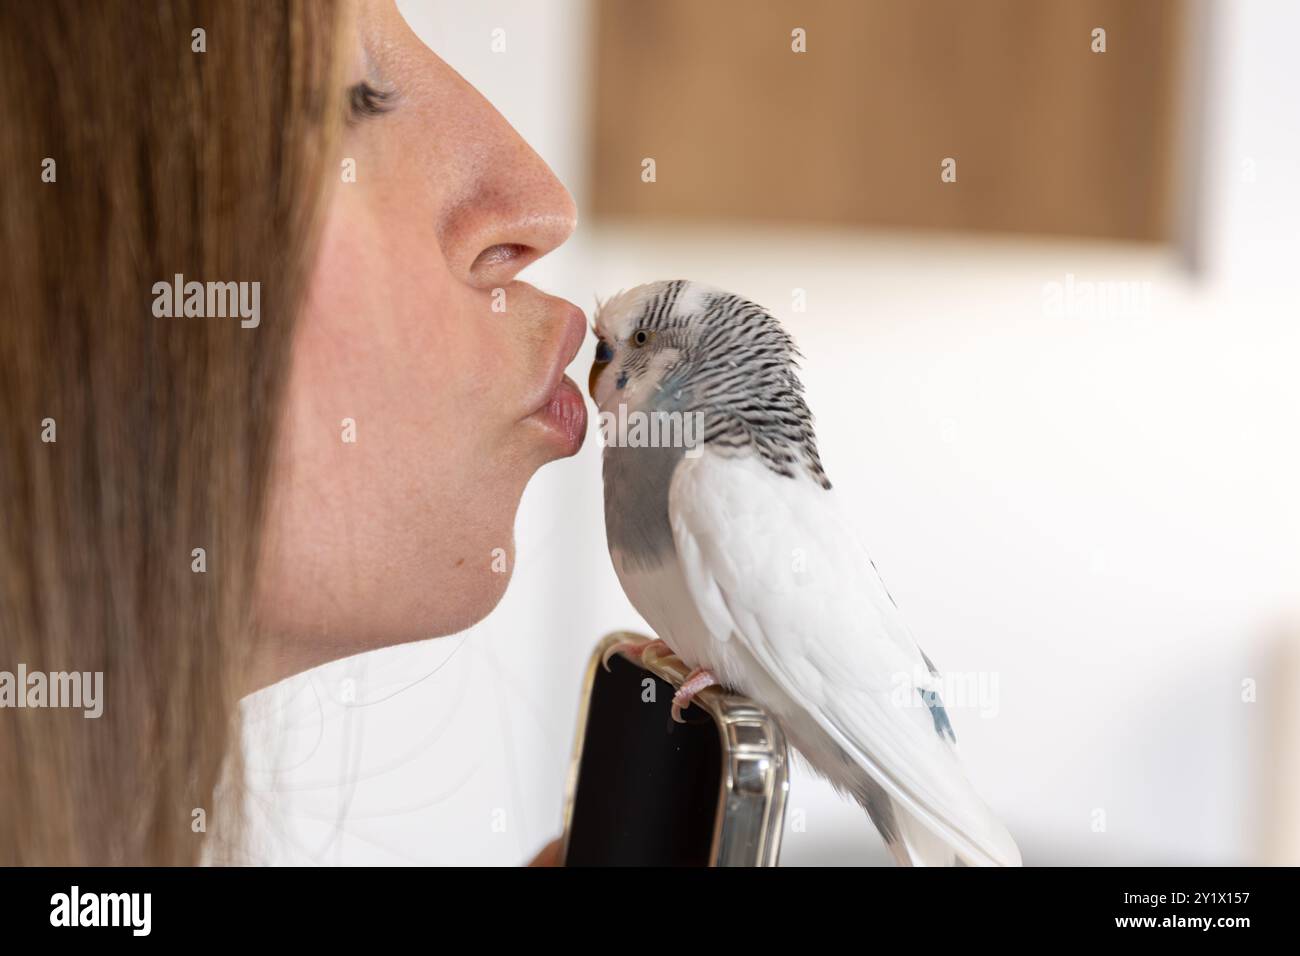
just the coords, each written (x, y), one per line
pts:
(604, 352)
(641, 337)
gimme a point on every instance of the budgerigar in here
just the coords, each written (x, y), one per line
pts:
(729, 541)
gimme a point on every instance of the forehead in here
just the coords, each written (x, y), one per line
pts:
(652, 305)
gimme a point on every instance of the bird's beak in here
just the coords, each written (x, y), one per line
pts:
(596, 368)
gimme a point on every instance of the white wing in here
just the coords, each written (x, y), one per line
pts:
(773, 567)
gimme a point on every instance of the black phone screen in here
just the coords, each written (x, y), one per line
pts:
(648, 787)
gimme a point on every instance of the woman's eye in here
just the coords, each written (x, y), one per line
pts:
(365, 100)
(604, 351)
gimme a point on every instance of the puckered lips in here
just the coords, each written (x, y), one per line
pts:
(563, 410)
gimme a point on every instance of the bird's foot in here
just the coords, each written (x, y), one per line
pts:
(695, 682)
(634, 649)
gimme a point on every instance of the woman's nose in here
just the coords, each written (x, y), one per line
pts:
(509, 209)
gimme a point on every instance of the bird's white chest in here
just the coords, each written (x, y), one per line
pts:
(661, 596)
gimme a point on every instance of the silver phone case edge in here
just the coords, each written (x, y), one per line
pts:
(748, 824)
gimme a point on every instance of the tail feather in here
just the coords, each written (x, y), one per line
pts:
(910, 840)
(913, 843)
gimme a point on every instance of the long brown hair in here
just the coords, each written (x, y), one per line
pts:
(129, 156)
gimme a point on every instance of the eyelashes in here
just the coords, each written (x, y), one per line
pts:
(365, 101)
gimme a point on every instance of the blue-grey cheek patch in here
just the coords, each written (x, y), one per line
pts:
(942, 726)
(622, 380)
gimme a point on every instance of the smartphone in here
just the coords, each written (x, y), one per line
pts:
(644, 790)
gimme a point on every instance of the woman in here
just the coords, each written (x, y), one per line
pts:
(205, 492)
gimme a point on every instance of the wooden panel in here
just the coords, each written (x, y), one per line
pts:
(1048, 136)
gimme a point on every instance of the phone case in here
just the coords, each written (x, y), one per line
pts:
(755, 762)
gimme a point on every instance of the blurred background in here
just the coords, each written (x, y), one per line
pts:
(1044, 280)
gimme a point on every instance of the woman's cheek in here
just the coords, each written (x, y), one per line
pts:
(472, 354)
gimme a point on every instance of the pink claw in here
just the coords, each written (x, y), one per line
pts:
(634, 649)
(695, 682)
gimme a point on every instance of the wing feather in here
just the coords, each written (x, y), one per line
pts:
(772, 566)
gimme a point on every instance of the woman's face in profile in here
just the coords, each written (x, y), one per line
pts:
(425, 387)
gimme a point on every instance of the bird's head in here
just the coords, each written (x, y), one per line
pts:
(680, 346)
(642, 334)
(656, 339)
